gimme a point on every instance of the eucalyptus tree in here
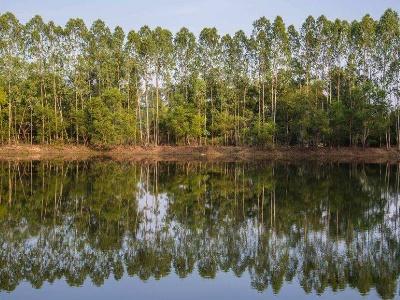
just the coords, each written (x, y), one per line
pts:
(37, 49)
(134, 71)
(185, 58)
(340, 50)
(395, 78)
(388, 31)
(56, 44)
(325, 57)
(261, 42)
(361, 44)
(163, 63)
(117, 57)
(242, 69)
(309, 48)
(236, 68)
(186, 77)
(226, 117)
(209, 53)
(77, 71)
(279, 60)
(99, 56)
(295, 58)
(363, 40)
(142, 50)
(11, 60)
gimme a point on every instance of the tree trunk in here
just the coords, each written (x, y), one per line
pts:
(139, 112)
(55, 105)
(263, 102)
(212, 118)
(9, 112)
(156, 125)
(76, 112)
(42, 100)
(31, 125)
(398, 122)
(147, 115)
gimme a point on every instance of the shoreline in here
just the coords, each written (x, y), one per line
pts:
(199, 153)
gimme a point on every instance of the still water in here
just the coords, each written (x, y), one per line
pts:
(103, 229)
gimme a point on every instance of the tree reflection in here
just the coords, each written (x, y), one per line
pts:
(324, 225)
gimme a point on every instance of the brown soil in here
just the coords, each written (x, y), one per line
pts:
(45, 152)
(184, 153)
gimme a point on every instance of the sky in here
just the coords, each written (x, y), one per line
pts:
(227, 16)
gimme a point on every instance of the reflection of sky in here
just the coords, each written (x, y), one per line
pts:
(227, 15)
(226, 287)
(321, 240)
(153, 209)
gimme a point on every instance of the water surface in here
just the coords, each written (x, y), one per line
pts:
(198, 230)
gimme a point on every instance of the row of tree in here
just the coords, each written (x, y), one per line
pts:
(327, 83)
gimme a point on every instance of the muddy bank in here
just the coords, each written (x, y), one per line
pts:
(250, 153)
(184, 153)
(46, 152)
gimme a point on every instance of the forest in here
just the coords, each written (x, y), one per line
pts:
(327, 83)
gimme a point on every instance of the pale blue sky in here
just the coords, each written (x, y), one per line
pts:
(227, 15)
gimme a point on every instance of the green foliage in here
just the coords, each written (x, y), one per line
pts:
(183, 121)
(224, 123)
(262, 133)
(330, 82)
(3, 96)
(314, 126)
(108, 123)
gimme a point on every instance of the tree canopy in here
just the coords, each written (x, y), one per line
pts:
(327, 83)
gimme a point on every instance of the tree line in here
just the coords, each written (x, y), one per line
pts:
(327, 83)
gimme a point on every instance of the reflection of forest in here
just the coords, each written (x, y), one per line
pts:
(323, 225)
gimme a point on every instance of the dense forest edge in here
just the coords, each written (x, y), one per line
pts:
(327, 84)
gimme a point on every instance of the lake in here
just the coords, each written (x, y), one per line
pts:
(103, 229)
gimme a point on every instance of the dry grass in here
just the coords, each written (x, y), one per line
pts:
(43, 152)
(213, 153)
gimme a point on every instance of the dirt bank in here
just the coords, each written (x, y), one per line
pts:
(250, 153)
(179, 153)
(43, 152)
